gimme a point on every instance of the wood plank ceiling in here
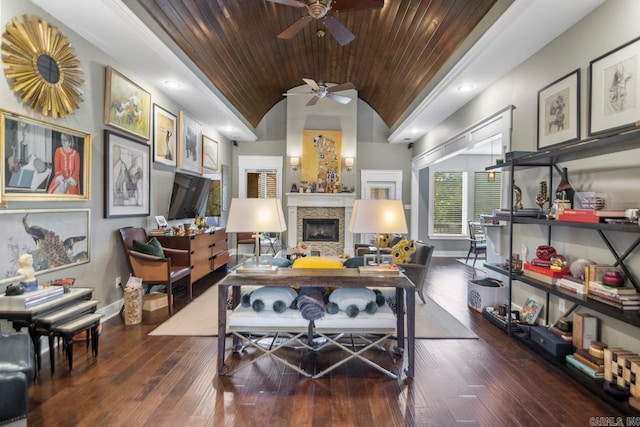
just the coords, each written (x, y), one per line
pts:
(396, 52)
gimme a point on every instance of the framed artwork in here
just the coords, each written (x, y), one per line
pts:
(209, 154)
(127, 176)
(126, 105)
(190, 146)
(43, 161)
(559, 112)
(321, 156)
(66, 232)
(165, 136)
(614, 87)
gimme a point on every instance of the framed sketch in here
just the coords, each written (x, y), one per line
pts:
(614, 104)
(66, 232)
(190, 146)
(209, 154)
(126, 176)
(165, 136)
(43, 161)
(126, 105)
(559, 112)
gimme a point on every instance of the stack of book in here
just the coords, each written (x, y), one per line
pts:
(590, 362)
(543, 273)
(571, 284)
(589, 215)
(563, 328)
(160, 231)
(624, 298)
(32, 299)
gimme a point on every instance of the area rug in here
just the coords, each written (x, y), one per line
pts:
(200, 318)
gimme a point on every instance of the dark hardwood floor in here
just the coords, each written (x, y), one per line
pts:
(171, 381)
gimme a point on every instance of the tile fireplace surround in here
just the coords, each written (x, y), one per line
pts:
(320, 205)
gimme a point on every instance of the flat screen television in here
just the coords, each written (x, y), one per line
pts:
(189, 196)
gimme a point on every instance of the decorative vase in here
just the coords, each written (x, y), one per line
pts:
(565, 191)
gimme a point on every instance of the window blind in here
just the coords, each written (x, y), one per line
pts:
(448, 202)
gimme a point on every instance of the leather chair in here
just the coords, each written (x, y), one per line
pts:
(17, 372)
(244, 239)
(477, 242)
(153, 270)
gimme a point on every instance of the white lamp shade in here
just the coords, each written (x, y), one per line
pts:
(256, 215)
(378, 216)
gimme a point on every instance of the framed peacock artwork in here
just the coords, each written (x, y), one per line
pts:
(55, 238)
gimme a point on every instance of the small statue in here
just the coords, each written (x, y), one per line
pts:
(543, 194)
(518, 199)
(27, 273)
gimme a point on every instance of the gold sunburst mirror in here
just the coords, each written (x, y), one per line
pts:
(42, 64)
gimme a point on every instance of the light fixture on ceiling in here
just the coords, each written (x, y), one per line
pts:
(294, 162)
(465, 88)
(348, 163)
(320, 34)
(172, 84)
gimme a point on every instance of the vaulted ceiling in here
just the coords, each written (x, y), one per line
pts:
(396, 52)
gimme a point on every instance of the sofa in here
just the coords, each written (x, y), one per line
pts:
(17, 372)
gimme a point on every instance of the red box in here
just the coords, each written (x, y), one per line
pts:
(579, 218)
(546, 270)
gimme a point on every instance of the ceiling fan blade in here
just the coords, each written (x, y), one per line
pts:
(293, 29)
(347, 5)
(294, 3)
(312, 101)
(339, 31)
(339, 98)
(296, 93)
(312, 83)
(342, 86)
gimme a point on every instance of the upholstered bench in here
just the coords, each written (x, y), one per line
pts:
(269, 332)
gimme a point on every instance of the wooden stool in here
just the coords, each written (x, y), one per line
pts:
(87, 322)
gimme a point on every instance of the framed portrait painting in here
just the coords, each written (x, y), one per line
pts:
(127, 176)
(559, 112)
(43, 161)
(190, 148)
(165, 136)
(614, 104)
(126, 105)
(66, 231)
(209, 154)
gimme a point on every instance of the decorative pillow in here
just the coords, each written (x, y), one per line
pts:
(354, 262)
(383, 240)
(354, 300)
(270, 298)
(403, 251)
(279, 262)
(316, 262)
(152, 247)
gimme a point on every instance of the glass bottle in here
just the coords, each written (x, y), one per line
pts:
(565, 191)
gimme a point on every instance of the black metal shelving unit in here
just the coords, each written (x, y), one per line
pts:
(550, 159)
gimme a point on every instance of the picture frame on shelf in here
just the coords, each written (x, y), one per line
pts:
(614, 87)
(68, 243)
(190, 145)
(127, 170)
(209, 154)
(165, 136)
(43, 161)
(127, 106)
(559, 112)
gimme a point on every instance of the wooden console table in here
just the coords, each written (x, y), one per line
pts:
(348, 277)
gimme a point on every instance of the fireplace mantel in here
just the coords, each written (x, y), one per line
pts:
(319, 200)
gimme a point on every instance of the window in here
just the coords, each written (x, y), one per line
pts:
(449, 210)
(486, 194)
(262, 184)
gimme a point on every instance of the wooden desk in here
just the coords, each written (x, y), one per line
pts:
(27, 317)
(348, 277)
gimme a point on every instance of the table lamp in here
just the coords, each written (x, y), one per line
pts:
(256, 216)
(378, 216)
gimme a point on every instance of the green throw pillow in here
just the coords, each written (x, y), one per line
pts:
(152, 247)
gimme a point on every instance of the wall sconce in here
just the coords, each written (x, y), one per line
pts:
(348, 163)
(294, 162)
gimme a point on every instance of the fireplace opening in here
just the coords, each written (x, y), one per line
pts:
(320, 230)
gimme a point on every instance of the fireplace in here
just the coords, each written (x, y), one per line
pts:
(320, 230)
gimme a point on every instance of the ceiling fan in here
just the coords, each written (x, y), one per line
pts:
(321, 90)
(318, 9)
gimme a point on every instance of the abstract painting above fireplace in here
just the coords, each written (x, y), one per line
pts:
(320, 230)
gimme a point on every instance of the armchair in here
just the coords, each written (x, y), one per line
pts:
(417, 269)
(17, 372)
(154, 270)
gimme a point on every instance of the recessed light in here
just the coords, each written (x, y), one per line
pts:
(172, 84)
(465, 88)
